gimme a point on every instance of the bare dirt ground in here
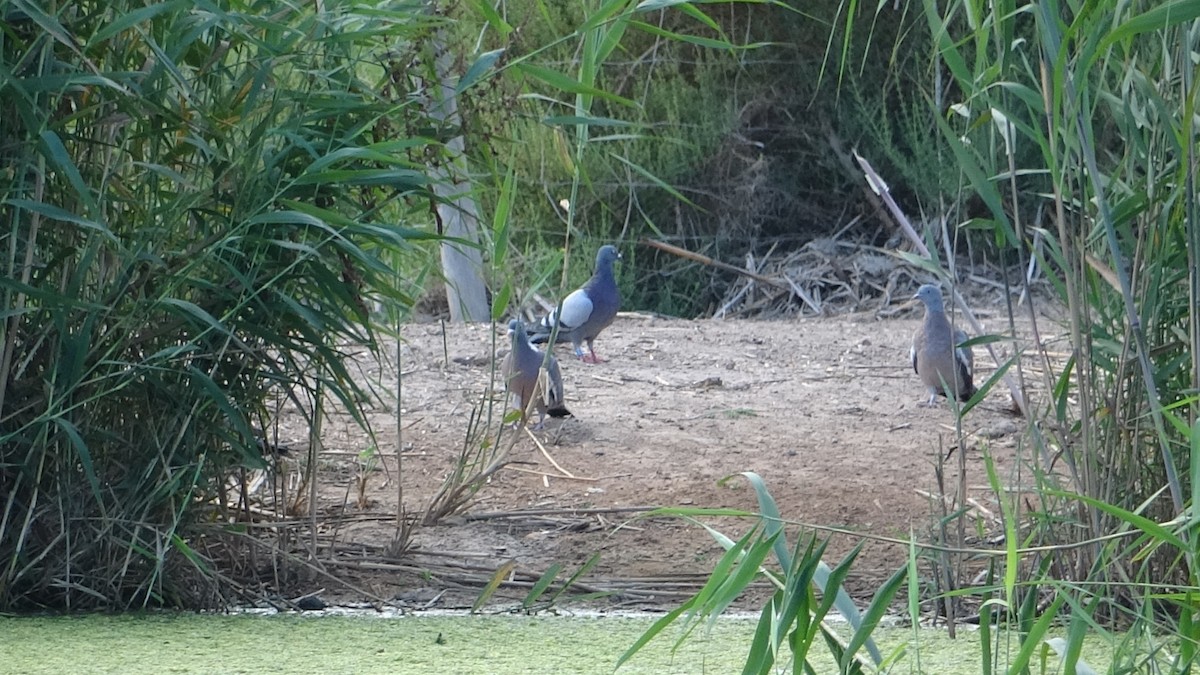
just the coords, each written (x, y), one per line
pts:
(825, 410)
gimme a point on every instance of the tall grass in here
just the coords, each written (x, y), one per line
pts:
(1086, 114)
(195, 199)
(795, 616)
(1074, 124)
(1097, 97)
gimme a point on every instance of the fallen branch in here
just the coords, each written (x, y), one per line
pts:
(546, 454)
(553, 475)
(705, 260)
(492, 515)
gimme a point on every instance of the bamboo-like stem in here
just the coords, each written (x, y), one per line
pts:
(26, 269)
(1049, 27)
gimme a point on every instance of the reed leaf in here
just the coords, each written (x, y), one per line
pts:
(194, 210)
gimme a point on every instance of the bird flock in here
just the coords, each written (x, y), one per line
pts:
(578, 319)
(944, 364)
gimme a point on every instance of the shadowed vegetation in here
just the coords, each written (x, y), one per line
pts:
(195, 202)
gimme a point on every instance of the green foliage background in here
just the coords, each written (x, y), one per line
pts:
(741, 135)
(196, 213)
(201, 204)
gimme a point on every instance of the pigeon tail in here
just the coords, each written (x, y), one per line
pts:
(529, 385)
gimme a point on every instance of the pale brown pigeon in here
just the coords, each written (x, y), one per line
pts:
(521, 369)
(587, 311)
(935, 353)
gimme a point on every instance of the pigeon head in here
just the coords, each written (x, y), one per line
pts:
(931, 295)
(607, 255)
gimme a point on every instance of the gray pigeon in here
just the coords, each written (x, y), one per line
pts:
(521, 369)
(935, 353)
(588, 310)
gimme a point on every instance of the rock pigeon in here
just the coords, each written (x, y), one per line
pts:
(935, 353)
(521, 369)
(588, 310)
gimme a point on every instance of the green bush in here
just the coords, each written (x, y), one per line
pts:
(726, 150)
(195, 203)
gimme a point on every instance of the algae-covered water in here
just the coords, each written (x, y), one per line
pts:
(288, 643)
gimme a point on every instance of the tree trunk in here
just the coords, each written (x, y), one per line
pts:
(462, 265)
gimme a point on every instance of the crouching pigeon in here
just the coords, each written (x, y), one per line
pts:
(522, 370)
(935, 353)
(587, 311)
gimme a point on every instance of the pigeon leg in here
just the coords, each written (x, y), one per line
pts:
(932, 402)
(591, 357)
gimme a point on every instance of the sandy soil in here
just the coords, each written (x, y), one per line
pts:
(825, 410)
